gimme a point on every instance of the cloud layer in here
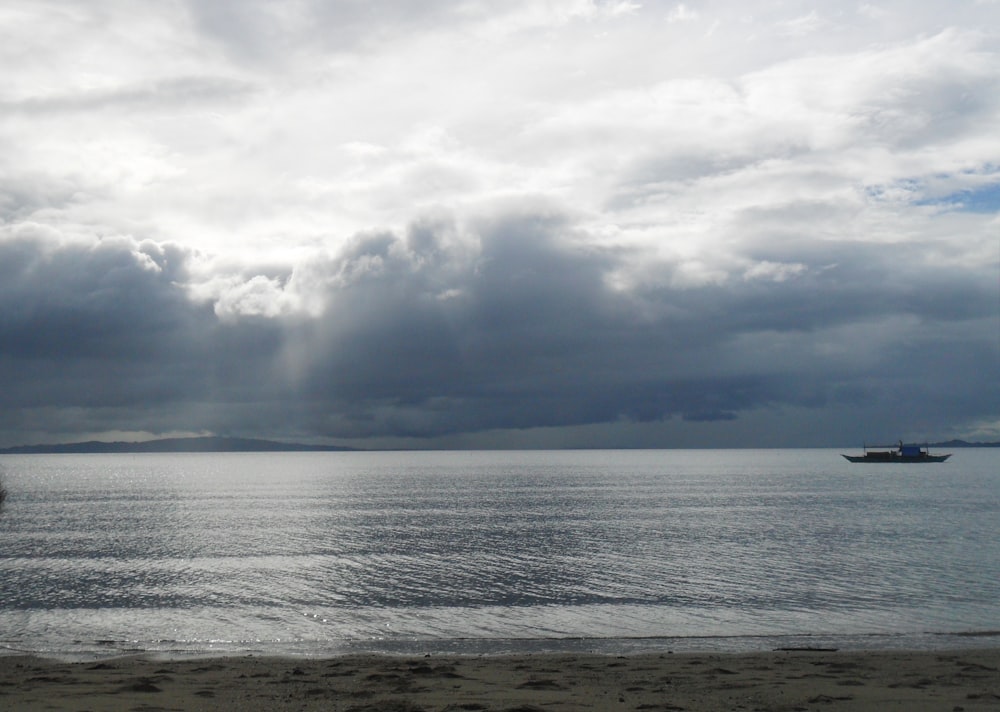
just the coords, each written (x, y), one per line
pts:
(561, 223)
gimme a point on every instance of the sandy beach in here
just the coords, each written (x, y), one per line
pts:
(781, 680)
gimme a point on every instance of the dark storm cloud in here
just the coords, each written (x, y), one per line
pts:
(529, 333)
(105, 337)
(79, 324)
(491, 340)
(775, 210)
(511, 325)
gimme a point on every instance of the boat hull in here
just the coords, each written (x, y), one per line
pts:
(897, 458)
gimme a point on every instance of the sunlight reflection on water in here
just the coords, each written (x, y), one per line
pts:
(329, 549)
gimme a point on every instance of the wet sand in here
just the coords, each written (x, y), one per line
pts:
(798, 680)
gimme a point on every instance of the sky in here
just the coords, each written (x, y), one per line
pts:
(531, 223)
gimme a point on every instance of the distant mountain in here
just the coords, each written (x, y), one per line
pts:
(206, 444)
(220, 444)
(963, 443)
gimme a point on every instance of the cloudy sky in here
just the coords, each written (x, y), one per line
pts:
(526, 223)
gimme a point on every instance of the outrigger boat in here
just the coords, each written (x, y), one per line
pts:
(897, 453)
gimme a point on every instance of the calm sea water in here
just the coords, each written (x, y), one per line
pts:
(612, 551)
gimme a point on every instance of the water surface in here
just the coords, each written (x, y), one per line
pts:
(317, 553)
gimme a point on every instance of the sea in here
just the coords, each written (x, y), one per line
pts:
(494, 552)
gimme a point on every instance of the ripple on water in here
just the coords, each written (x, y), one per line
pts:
(325, 549)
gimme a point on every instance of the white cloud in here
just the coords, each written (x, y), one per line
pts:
(802, 26)
(681, 13)
(773, 271)
(234, 297)
(707, 146)
(325, 143)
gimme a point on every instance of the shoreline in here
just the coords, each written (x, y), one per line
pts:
(736, 644)
(860, 681)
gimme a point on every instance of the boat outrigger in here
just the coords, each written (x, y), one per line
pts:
(897, 453)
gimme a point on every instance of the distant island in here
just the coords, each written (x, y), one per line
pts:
(963, 443)
(223, 444)
(203, 444)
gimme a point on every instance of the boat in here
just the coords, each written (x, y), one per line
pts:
(897, 453)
